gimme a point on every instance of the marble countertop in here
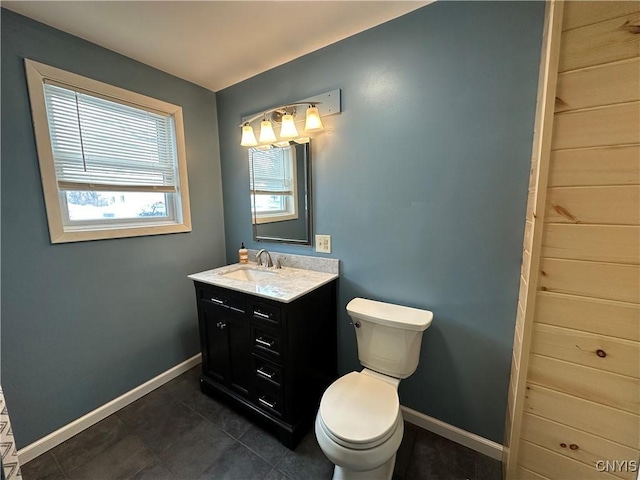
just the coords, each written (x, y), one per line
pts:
(285, 286)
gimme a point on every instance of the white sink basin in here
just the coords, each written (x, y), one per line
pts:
(248, 274)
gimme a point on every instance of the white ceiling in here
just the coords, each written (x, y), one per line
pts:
(213, 43)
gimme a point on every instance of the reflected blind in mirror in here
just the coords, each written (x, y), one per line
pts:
(272, 171)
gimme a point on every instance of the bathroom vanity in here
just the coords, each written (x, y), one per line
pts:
(268, 339)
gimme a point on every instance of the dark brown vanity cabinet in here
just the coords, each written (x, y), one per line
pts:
(268, 359)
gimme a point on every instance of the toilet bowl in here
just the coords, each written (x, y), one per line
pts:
(359, 425)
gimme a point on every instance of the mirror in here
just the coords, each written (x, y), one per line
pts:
(280, 189)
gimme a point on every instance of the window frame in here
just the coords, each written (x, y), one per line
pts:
(60, 230)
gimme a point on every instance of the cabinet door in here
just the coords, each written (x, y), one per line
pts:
(226, 346)
(215, 343)
(239, 353)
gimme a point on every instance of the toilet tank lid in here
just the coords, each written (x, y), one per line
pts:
(389, 314)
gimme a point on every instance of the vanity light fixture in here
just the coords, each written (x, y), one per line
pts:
(313, 122)
(288, 129)
(248, 137)
(285, 115)
(267, 135)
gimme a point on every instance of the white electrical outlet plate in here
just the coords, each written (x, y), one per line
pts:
(323, 243)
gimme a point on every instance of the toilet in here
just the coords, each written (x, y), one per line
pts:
(359, 424)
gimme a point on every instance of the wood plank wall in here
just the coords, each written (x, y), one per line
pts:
(582, 392)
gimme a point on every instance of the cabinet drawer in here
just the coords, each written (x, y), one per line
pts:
(266, 341)
(265, 312)
(267, 371)
(222, 298)
(269, 398)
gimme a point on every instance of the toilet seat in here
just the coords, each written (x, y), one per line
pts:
(359, 412)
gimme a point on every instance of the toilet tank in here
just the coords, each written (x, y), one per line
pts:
(389, 336)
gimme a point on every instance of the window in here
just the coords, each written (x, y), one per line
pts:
(112, 162)
(274, 196)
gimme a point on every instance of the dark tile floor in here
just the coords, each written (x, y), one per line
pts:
(178, 433)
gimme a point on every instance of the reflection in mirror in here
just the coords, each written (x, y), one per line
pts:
(280, 182)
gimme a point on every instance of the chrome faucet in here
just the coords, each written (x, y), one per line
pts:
(259, 258)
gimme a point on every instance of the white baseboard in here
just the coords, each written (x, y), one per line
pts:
(37, 448)
(455, 434)
(45, 444)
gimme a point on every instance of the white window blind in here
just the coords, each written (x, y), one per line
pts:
(272, 171)
(100, 144)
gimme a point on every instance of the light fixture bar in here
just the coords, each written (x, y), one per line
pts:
(271, 110)
(328, 104)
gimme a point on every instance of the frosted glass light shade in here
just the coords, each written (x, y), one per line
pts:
(313, 122)
(267, 135)
(288, 129)
(248, 137)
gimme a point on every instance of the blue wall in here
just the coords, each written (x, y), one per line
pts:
(422, 183)
(83, 323)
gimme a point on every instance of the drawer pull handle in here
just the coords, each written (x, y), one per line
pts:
(265, 374)
(265, 343)
(266, 403)
(223, 303)
(258, 313)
